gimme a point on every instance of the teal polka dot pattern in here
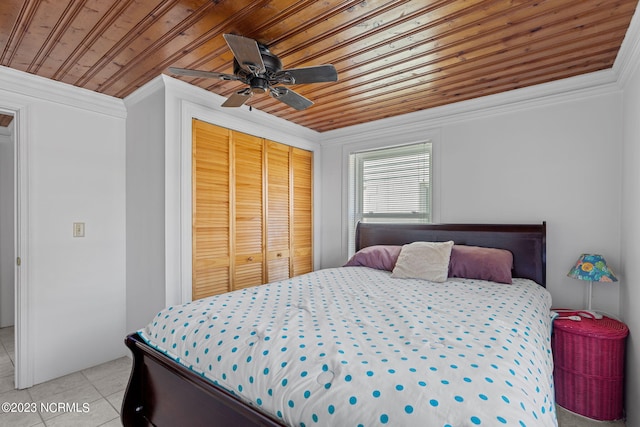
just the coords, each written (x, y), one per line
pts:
(353, 347)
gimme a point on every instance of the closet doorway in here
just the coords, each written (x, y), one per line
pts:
(252, 212)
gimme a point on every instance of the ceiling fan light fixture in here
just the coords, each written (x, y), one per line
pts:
(259, 85)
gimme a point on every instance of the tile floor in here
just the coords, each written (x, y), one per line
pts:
(101, 388)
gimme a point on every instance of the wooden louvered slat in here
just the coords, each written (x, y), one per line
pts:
(247, 275)
(212, 281)
(210, 210)
(278, 269)
(277, 213)
(247, 231)
(302, 211)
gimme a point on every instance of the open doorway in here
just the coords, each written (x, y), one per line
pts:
(7, 219)
(13, 241)
(7, 241)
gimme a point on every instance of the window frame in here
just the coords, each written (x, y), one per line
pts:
(355, 196)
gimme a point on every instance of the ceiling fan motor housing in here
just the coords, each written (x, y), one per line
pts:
(272, 65)
(259, 84)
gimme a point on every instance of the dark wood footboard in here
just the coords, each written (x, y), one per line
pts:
(164, 393)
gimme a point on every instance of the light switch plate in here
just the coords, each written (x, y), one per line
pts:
(78, 229)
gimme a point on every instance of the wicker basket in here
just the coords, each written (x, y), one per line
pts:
(589, 366)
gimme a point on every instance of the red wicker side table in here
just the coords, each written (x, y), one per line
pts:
(589, 366)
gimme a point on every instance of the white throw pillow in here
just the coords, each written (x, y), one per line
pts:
(424, 260)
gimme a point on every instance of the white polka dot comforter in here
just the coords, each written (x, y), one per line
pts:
(353, 347)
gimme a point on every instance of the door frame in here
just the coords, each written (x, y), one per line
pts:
(23, 325)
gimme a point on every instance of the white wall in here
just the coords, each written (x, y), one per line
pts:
(630, 289)
(7, 252)
(557, 161)
(76, 173)
(145, 207)
(78, 284)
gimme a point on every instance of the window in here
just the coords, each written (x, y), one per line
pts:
(390, 185)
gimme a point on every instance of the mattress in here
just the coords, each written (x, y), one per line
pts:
(352, 346)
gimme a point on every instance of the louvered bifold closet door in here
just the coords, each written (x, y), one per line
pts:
(210, 216)
(247, 230)
(302, 211)
(277, 162)
(252, 210)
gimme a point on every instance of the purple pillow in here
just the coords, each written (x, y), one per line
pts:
(474, 262)
(380, 257)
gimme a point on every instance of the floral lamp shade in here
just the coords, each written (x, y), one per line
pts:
(593, 268)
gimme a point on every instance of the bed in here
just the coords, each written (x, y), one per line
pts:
(355, 346)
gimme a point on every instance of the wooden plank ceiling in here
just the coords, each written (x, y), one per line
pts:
(392, 57)
(5, 120)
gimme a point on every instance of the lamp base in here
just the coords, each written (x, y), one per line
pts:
(589, 312)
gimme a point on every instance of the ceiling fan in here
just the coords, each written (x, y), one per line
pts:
(256, 66)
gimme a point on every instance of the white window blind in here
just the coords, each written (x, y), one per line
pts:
(390, 185)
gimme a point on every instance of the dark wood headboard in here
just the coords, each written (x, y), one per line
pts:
(527, 242)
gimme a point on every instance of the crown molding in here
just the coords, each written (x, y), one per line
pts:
(30, 85)
(628, 58)
(149, 88)
(578, 87)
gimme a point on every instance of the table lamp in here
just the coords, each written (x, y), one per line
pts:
(593, 268)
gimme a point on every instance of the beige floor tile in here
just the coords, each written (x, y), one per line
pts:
(99, 412)
(6, 368)
(9, 346)
(9, 350)
(4, 356)
(79, 396)
(116, 422)
(15, 396)
(569, 419)
(116, 400)
(69, 382)
(77, 388)
(116, 367)
(26, 412)
(20, 420)
(7, 383)
(110, 385)
(7, 334)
